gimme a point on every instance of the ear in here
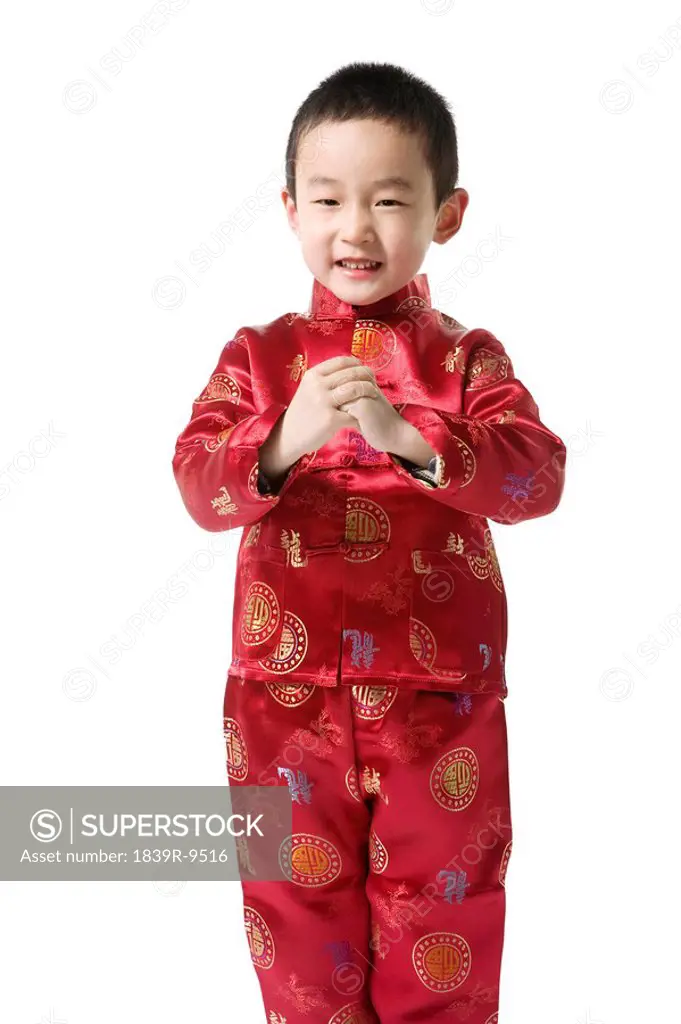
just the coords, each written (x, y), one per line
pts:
(291, 211)
(450, 215)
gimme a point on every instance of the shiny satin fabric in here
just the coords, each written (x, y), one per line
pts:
(355, 570)
(393, 904)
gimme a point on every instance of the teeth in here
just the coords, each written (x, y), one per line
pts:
(359, 266)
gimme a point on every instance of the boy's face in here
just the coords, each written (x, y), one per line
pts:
(355, 216)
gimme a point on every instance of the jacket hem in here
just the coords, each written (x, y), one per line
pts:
(473, 684)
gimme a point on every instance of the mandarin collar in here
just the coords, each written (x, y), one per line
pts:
(325, 303)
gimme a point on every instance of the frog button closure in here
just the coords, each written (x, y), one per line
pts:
(347, 459)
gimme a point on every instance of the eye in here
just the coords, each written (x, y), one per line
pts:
(325, 200)
(397, 203)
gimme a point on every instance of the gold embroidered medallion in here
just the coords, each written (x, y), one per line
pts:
(237, 751)
(374, 343)
(372, 702)
(352, 1013)
(454, 779)
(423, 646)
(252, 484)
(309, 859)
(505, 857)
(486, 565)
(449, 323)
(367, 529)
(378, 855)
(412, 302)
(291, 649)
(260, 941)
(221, 387)
(212, 444)
(486, 368)
(290, 695)
(442, 961)
(262, 614)
(352, 783)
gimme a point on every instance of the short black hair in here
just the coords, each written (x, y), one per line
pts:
(387, 93)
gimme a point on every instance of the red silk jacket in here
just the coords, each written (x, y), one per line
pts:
(356, 571)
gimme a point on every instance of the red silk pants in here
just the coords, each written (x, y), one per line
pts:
(401, 836)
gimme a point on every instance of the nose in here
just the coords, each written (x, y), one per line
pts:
(357, 227)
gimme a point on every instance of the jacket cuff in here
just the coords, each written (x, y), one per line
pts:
(438, 475)
(426, 474)
(268, 487)
(219, 474)
(252, 431)
(256, 430)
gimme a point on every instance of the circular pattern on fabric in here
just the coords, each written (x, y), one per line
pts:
(367, 529)
(220, 388)
(252, 484)
(454, 779)
(486, 565)
(442, 961)
(309, 859)
(371, 702)
(378, 855)
(486, 368)
(290, 695)
(262, 615)
(374, 343)
(423, 646)
(352, 1013)
(494, 567)
(260, 941)
(211, 444)
(449, 323)
(237, 751)
(422, 643)
(291, 649)
(412, 302)
(352, 783)
(469, 464)
(505, 857)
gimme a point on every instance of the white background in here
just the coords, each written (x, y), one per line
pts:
(114, 176)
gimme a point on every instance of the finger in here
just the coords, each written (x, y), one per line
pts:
(342, 396)
(347, 374)
(351, 391)
(335, 363)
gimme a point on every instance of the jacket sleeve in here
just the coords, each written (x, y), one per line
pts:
(216, 462)
(496, 459)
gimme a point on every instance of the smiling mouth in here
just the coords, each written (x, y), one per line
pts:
(359, 264)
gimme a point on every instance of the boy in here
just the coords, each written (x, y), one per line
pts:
(365, 444)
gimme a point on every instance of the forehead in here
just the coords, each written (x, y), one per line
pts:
(361, 152)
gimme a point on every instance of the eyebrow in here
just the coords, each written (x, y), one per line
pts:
(394, 181)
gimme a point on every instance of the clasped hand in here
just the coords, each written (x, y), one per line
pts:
(377, 420)
(338, 392)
